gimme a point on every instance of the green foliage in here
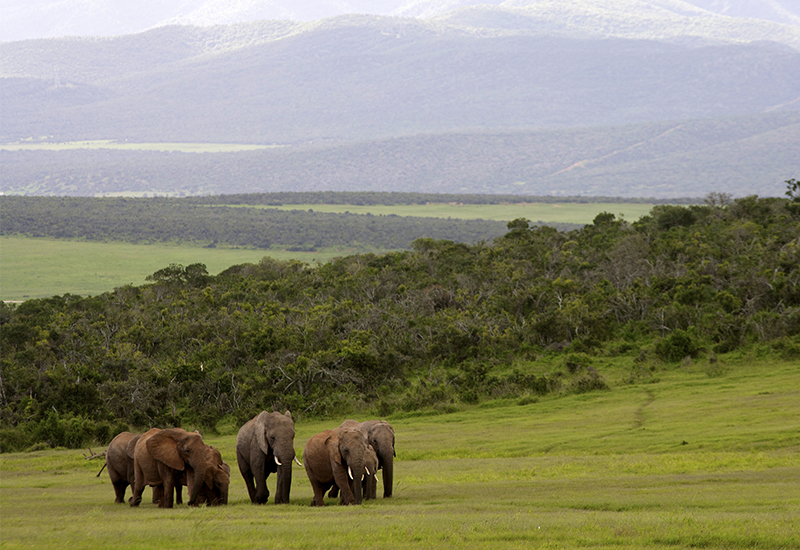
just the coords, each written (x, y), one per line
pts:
(430, 329)
(677, 345)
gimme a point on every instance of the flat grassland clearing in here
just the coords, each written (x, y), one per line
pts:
(704, 456)
(127, 146)
(566, 212)
(42, 267)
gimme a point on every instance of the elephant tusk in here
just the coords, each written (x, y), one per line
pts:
(278, 462)
(350, 472)
(298, 462)
(367, 469)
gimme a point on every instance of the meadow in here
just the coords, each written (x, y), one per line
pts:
(566, 212)
(42, 267)
(706, 455)
(124, 145)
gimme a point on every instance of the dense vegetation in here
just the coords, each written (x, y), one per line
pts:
(444, 323)
(164, 220)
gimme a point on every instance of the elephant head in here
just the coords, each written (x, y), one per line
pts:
(180, 450)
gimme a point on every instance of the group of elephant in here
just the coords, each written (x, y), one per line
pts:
(343, 462)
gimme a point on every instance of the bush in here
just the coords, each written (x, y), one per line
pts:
(679, 344)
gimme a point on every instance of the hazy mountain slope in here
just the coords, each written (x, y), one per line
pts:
(741, 155)
(669, 20)
(26, 19)
(351, 79)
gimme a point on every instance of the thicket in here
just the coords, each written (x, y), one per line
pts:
(431, 327)
(148, 220)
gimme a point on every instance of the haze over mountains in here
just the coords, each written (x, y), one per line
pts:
(654, 98)
(21, 20)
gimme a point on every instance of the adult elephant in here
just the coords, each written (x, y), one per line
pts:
(336, 457)
(161, 457)
(119, 464)
(265, 445)
(380, 435)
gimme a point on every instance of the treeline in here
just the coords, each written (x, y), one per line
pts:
(188, 220)
(442, 324)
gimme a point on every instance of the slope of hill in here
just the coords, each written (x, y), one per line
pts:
(738, 155)
(51, 18)
(351, 79)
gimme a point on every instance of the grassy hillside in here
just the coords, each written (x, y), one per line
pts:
(738, 155)
(628, 468)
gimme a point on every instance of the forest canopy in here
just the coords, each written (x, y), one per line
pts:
(423, 329)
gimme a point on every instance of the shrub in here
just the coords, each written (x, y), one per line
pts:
(679, 344)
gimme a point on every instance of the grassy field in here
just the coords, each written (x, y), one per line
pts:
(126, 146)
(37, 268)
(689, 461)
(567, 212)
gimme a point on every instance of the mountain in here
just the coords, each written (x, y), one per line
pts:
(365, 77)
(596, 77)
(27, 19)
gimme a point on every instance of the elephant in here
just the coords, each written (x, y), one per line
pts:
(335, 457)
(265, 445)
(214, 491)
(161, 457)
(120, 464)
(370, 481)
(380, 435)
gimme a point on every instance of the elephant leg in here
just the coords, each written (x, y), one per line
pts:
(319, 492)
(119, 490)
(247, 474)
(136, 499)
(334, 492)
(167, 501)
(158, 494)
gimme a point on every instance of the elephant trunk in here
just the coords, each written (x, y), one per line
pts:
(284, 483)
(388, 474)
(357, 470)
(197, 483)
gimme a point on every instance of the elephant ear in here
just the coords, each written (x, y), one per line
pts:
(332, 444)
(163, 447)
(131, 448)
(262, 423)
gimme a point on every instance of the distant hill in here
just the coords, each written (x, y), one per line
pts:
(361, 77)
(744, 155)
(56, 18)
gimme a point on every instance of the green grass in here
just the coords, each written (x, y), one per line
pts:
(567, 212)
(601, 470)
(127, 146)
(40, 267)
